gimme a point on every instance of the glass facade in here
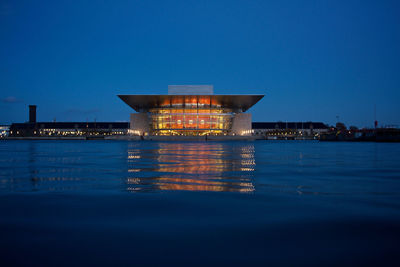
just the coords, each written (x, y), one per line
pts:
(190, 115)
(190, 121)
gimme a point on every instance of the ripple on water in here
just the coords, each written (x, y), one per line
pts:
(262, 167)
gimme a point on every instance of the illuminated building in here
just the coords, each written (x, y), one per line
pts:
(190, 110)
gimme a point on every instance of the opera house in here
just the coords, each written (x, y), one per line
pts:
(190, 110)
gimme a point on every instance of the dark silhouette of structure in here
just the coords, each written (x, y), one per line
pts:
(32, 113)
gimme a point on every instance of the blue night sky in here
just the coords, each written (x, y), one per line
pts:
(313, 60)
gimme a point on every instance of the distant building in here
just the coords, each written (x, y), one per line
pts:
(289, 129)
(65, 129)
(48, 129)
(190, 110)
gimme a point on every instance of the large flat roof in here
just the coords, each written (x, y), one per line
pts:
(145, 102)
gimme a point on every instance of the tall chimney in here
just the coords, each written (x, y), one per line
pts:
(32, 113)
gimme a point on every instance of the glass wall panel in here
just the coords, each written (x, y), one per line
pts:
(204, 101)
(165, 103)
(203, 122)
(190, 121)
(191, 101)
(177, 101)
(191, 116)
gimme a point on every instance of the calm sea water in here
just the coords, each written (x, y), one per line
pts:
(137, 203)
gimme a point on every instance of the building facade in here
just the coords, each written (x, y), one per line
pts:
(68, 129)
(32, 128)
(296, 130)
(190, 110)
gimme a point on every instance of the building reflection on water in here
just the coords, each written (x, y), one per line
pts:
(191, 167)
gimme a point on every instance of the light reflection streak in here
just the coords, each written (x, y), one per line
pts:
(137, 167)
(192, 167)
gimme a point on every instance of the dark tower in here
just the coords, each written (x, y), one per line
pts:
(32, 113)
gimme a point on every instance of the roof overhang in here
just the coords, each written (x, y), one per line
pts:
(146, 102)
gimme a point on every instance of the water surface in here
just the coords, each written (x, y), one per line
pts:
(275, 202)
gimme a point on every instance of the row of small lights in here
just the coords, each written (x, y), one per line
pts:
(288, 133)
(247, 132)
(57, 132)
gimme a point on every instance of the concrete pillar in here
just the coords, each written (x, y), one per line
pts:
(241, 124)
(140, 124)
